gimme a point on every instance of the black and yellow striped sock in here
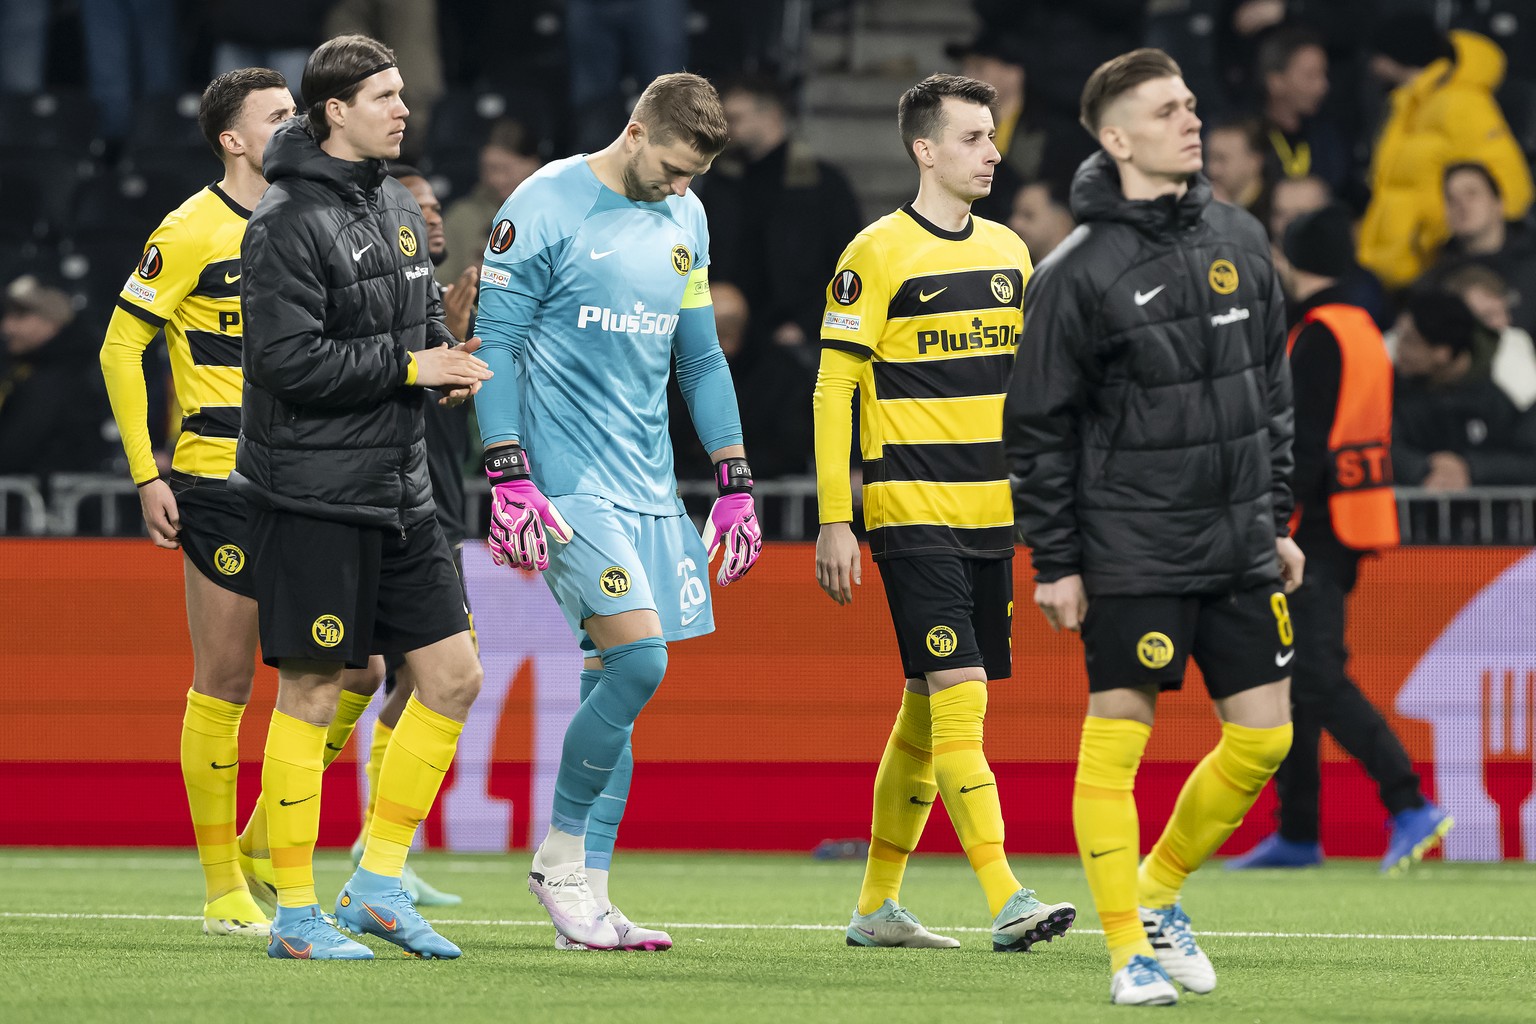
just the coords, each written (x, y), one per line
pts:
(904, 793)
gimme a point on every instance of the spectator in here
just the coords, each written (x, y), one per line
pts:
(773, 391)
(1474, 214)
(778, 216)
(1512, 361)
(276, 34)
(1234, 161)
(1293, 77)
(131, 53)
(510, 155)
(1040, 216)
(409, 28)
(1292, 197)
(52, 401)
(1443, 112)
(1452, 428)
(609, 42)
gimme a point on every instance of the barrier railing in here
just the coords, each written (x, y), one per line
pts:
(90, 504)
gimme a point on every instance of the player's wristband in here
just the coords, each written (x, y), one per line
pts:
(733, 476)
(507, 463)
(411, 368)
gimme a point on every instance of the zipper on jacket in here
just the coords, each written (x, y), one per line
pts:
(400, 512)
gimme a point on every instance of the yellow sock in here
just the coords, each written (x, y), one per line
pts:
(904, 793)
(210, 763)
(348, 710)
(1108, 833)
(414, 765)
(381, 735)
(970, 788)
(290, 780)
(1210, 807)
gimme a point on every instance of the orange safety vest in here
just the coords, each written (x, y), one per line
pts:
(1360, 444)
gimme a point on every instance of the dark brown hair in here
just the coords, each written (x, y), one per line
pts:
(920, 114)
(682, 106)
(1118, 76)
(225, 98)
(1473, 167)
(336, 71)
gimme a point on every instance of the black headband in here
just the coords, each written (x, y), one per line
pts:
(349, 83)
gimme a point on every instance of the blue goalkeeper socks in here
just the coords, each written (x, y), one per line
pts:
(596, 747)
(603, 823)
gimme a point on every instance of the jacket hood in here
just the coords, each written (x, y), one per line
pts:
(1096, 195)
(294, 153)
(1479, 60)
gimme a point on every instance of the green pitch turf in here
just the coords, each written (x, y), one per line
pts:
(97, 936)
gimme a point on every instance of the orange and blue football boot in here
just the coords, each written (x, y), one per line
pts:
(372, 904)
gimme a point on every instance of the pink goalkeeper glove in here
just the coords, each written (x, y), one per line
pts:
(733, 522)
(522, 519)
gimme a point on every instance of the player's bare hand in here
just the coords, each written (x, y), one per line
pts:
(455, 367)
(161, 515)
(1064, 602)
(837, 561)
(1292, 562)
(459, 301)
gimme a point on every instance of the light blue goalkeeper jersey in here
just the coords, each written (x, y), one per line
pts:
(581, 298)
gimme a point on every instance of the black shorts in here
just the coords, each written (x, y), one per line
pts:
(336, 592)
(215, 532)
(392, 662)
(951, 611)
(1240, 640)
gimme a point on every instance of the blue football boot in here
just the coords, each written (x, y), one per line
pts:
(371, 904)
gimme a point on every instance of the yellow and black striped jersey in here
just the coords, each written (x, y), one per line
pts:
(188, 282)
(937, 315)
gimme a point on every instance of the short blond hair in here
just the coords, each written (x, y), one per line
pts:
(683, 106)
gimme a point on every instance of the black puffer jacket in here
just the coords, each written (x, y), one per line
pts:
(1149, 423)
(336, 290)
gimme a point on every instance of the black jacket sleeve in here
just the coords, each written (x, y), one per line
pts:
(1315, 367)
(1282, 413)
(1040, 424)
(282, 304)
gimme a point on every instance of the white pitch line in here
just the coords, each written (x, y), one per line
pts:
(789, 927)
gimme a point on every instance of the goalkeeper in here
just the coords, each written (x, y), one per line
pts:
(594, 282)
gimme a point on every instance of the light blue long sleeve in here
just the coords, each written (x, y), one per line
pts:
(705, 379)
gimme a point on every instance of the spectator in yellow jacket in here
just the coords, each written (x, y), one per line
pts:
(1442, 112)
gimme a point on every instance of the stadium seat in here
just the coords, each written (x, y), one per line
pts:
(126, 203)
(165, 125)
(39, 186)
(63, 121)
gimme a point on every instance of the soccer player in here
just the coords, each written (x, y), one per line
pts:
(188, 283)
(342, 335)
(594, 282)
(923, 317)
(1148, 429)
(447, 451)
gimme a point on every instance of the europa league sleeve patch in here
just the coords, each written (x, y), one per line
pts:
(151, 263)
(501, 237)
(846, 288)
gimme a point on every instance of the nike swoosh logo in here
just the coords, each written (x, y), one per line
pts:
(231, 280)
(297, 954)
(1286, 658)
(689, 619)
(357, 254)
(290, 803)
(920, 803)
(600, 255)
(335, 748)
(1096, 854)
(972, 789)
(929, 296)
(389, 925)
(868, 931)
(594, 767)
(1142, 300)
(215, 764)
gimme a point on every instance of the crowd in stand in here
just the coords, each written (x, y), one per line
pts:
(1408, 114)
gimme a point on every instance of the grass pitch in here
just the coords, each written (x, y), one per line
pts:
(102, 935)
